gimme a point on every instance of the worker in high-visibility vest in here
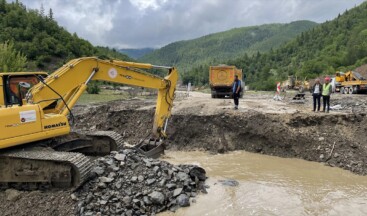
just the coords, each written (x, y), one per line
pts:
(326, 92)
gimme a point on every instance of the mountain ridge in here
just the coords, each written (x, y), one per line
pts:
(226, 45)
(136, 53)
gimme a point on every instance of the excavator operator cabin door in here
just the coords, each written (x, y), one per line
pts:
(16, 87)
(17, 120)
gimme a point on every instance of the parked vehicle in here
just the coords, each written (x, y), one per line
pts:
(221, 80)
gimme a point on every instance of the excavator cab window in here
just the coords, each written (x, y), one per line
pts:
(16, 87)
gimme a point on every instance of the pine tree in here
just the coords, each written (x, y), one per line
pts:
(51, 14)
(2, 6)
(42, 11)
(10, 59)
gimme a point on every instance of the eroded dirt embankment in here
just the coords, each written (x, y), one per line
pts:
(337, 139)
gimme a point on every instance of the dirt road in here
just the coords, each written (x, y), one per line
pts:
(202, 104)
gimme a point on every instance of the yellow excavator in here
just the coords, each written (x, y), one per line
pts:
(38, 148)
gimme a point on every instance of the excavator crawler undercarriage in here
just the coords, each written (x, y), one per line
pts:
(61, 162)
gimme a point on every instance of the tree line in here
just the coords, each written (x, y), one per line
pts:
(35, 35)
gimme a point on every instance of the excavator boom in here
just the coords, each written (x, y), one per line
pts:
(44, 112)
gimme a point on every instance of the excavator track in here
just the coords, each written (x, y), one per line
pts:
(59, 162)
(95, 143)
(37, 169)
(118, 139)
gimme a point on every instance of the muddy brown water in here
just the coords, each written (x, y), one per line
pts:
(273, 186)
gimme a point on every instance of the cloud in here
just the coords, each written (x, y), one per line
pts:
(146, 4)
(154, 23)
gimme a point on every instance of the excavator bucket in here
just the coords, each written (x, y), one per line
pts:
(299, 98)
(151, 148)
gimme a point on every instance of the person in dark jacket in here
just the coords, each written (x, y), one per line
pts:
(316, 94)
(236, 91)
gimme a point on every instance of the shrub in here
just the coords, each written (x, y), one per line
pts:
(93, 88)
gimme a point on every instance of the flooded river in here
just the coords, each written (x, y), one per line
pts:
(273, 186)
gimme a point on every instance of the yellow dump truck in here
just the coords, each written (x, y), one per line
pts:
(221, 79)
(350, 82)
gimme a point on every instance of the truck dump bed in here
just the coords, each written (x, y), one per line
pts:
(221, 79)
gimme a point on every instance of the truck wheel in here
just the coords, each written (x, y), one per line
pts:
(346, 90)
(342, 90)
(350, 90)
(355, 90)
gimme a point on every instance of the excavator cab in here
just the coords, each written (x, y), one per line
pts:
(14, 86)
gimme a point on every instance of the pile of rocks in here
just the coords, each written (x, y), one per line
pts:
(128, 183)
(348, 103)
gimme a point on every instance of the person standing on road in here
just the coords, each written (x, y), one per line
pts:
(236, 91)
(326, 92)
(277, 93)
(316, 94)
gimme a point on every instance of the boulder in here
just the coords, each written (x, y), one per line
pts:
(120, 157)
(12, 195)
(177, 191)
(157, 197)
(183, 200)
(229, 182)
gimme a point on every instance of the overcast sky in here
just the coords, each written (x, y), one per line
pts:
(155, 23)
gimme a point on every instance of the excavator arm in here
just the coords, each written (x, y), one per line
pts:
(60, 91)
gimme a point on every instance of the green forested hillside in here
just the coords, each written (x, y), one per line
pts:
(37, 35)
(136, 53)
(339, 44)
(222, 46)
(106, 52)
